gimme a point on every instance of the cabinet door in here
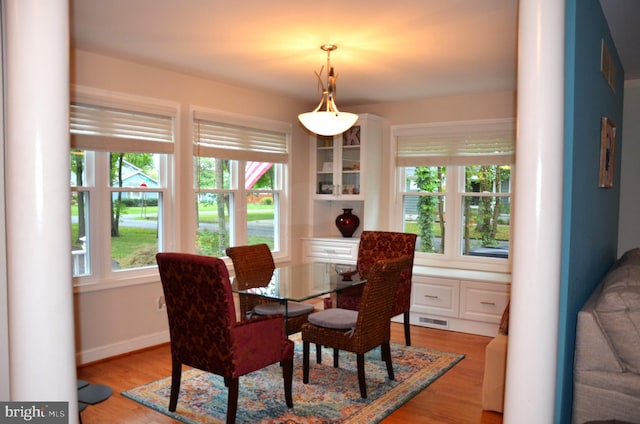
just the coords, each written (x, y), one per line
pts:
(483, 301)
(325, 166)
(438, 296)
(330, 251)
(350, 162)
(338, 162)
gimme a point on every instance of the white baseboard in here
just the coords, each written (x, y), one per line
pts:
(125, 346)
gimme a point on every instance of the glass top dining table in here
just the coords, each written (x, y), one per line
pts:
(304, 281)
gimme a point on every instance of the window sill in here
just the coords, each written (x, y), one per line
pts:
(464, 263)
(129, 281)
(463, 274)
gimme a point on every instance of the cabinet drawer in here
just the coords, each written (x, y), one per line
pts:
(331, 252)
(435, 296)
(483, 301)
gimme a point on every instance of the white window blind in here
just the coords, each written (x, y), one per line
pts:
(262, 143)
(108, 129)
(456, 143)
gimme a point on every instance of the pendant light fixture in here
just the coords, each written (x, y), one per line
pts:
(326, 119)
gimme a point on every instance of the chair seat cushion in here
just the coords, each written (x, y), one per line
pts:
(294, 309)
(337, 318)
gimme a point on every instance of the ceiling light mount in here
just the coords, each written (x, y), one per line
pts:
(326, 119)
(329, 47)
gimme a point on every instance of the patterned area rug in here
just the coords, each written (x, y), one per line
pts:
(332, 395)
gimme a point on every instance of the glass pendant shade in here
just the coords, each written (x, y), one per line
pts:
(328, 123)
(326, 119)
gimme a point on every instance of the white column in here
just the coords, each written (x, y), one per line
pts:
(41, 330)
(533, 328)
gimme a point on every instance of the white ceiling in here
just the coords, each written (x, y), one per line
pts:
(387, 51)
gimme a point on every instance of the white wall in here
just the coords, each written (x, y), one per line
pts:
(117, 320)
(629, 223)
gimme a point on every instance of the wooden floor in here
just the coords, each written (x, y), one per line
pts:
(453, 398)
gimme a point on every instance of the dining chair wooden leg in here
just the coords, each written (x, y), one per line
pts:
(407, 328)
(336, 356)
(361, 379)
(386, 349)
(305, 362)
(318, 354)
(232, 403)
(176, 374)
(287, 375)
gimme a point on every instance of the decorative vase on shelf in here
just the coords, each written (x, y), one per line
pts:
(347, 223)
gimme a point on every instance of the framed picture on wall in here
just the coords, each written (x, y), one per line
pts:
(607, 152)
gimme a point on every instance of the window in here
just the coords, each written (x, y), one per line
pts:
(454, 191)
(240, 181)
(119, 182)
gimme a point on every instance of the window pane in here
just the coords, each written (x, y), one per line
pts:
(424, 216)
(214, 223)
(486, 219)
(135, 228)
(261, 217)
(259, 175)
(486, 229)
(134, 169)
(80, 233)
(488, 179)
(78, 168)
(431, 179)
(212, 173)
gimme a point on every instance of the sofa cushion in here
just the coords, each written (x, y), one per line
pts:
(630, 257)
(618, 311)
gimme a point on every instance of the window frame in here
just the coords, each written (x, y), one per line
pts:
(239, 155)
(102, 275)
(455, 163)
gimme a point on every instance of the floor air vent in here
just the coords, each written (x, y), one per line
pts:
(438, 322)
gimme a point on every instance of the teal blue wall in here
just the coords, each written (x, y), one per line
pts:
(590, 213)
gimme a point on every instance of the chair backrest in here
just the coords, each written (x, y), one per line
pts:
(253, 265)
(378, 245)
(200, 309)
(373, 325)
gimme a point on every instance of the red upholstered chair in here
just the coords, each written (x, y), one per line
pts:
(374, 246)
(205, 333)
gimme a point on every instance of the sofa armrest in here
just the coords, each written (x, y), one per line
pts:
(593, 351)
(493, 382)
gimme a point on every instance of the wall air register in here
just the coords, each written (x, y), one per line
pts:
(439, 322)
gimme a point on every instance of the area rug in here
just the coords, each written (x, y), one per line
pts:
(332, 395)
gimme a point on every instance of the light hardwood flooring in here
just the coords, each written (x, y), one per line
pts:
(453, 398)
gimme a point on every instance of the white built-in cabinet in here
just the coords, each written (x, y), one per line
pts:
(345, 173)
(466, 301)
(340, 163)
